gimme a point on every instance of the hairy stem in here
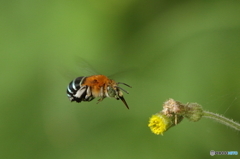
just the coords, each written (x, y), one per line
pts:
(222, 119)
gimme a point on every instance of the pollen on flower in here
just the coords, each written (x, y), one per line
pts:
(158, 124)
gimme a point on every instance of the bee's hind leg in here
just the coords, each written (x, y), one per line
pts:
(101, 99)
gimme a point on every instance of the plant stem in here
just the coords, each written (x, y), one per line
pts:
(222, 119)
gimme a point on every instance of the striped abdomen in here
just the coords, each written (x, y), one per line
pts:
(77, 92)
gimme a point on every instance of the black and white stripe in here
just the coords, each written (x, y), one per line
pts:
(77, 92)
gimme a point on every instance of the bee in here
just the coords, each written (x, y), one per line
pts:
(86, 88)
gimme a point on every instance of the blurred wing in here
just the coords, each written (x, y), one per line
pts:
(75, 68)
(126, 74)
(84, 67)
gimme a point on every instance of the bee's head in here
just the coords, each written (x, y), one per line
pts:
(114, 91)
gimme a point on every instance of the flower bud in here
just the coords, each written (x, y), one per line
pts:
(194, 111)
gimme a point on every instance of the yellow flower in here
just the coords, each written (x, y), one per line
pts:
(159, 123)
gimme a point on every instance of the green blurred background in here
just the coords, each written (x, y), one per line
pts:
(186, 50)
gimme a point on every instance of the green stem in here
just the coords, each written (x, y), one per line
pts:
(222, 119)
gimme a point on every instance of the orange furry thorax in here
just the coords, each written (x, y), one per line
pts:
(96, 82)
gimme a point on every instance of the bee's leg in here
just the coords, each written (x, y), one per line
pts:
(88, 93)
(101, 99)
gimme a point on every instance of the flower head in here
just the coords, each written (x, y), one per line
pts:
(160, 123)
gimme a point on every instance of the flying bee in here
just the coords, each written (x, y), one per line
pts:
(86, 88)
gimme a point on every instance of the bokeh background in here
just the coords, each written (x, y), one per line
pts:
(186, 50)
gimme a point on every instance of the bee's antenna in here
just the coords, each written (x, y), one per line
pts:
(123, 100)
(124, 84)
(122, 89)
